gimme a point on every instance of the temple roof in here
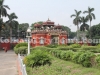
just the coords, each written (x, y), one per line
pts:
(58, 26)
(37, 25)
(48, 22)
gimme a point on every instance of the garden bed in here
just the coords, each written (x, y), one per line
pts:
(61, 67)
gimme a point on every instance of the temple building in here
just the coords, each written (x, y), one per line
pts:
(48, 33)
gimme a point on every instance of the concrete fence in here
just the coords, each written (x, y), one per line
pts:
(22, 66)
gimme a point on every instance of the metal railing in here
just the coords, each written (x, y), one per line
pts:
(22, 66)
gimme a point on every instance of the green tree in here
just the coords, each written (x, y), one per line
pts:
(84, 26)
(72, 35)
(32, 25)
(3, 11)
(90, 16)
(67, 29)
(1, 25)
(77, 20)
(22, 29)
(5, 31)
(95, 31)
(11, 23)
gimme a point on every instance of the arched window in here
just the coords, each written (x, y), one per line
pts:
(63, 40)
(41, 40)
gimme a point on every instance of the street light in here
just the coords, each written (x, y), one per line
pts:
(18, 33)
(28, 35)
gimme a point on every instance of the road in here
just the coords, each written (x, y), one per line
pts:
(8, 63)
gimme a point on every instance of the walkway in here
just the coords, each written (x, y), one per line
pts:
(8, 63)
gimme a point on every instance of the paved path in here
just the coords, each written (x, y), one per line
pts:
(8, 63)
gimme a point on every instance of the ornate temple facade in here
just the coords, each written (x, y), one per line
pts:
(48, 33)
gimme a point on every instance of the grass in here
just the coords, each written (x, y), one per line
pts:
(61, 67)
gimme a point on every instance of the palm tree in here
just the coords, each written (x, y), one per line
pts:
(76, 20)
(3, 11)
(11, 23)
(90, 16)
(2, 24)
(84, 26)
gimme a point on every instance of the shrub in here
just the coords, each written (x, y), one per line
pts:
(38, 58)
(98, 45)
(75, 45)
(52, 46)
(96, 51)
(16, 50)
(89, 47)
(63, 55)
(21, 44)
(20, 48)
(38, 48)
(85, 59)
(76, 56)
(69, 55)
(76, 49)
(97, 60)
(65, 48)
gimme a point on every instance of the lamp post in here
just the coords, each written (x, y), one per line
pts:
(69, 31)
(28, 35)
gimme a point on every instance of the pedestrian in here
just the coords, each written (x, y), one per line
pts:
(5, 49)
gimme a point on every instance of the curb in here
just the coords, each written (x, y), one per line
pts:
(19, 69)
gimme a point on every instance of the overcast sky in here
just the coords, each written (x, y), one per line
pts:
(59, 11)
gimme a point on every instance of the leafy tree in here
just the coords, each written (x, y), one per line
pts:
(95, 31)
(84, 26)
(5, 31)
(32, 25)
(72, 35)
(1, 25)
(11, 23)
(67, 29)
(23, 26)
(22, 29)
(3, 11)
(77, 20)
(90, 15)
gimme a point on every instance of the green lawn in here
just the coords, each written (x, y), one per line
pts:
(61, 67)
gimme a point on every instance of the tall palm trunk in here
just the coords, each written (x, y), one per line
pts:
(90, 29)
(10, 37)
(77, 32)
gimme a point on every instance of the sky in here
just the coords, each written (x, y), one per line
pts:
(58, 11)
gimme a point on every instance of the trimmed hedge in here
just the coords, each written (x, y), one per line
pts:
(21, 44)
(98, 60)
(64, 48)
(21, 48)
(37, 58)
(76, 56)
(52, 46)
(89, 47)
(75, 45)
(85, 59)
